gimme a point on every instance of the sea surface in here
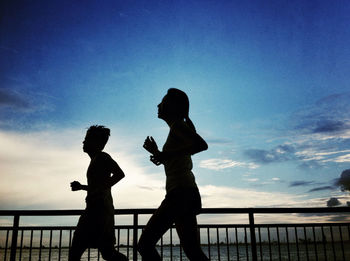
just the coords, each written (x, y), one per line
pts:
(330, 252)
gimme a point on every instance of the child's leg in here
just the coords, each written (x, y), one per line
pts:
(110, 254)
(187, 230)
(158, 224)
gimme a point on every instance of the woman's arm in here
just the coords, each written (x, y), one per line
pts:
(191, 142)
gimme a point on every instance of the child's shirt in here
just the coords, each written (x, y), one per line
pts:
(98, 174)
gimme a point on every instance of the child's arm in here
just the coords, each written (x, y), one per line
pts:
(117, 174)
(75, 185)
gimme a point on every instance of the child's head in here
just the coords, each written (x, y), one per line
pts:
(96, 138)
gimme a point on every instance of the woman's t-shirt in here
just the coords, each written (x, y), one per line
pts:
(178, 169)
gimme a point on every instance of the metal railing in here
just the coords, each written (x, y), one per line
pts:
(287, 241)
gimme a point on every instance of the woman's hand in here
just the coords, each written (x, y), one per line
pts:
(150, 145)
(158, 158)
(75, 185)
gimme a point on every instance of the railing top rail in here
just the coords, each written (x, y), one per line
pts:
(145, 211)
(270, 225)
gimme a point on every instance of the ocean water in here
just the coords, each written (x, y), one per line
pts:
(273, 252)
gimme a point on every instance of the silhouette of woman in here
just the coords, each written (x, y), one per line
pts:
(182, 201)
(96, 225)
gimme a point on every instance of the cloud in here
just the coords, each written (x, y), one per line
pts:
(224, 196)
(322, 188)
(318, 134)
(308, 150)
(13, 99)
(37, 167)
(344, 180)
(23, 109)
(328, 115)
(278, 154)
(331, 126)
(333, 202)
(252, 180)
(326, 217)
(342, 159)
(301, 183)
(310, 164)
(219, 141)
(220, 164)
(339, 218)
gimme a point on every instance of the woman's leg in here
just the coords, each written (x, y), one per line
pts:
(109, 253)
(77, 249)
(187, 230)
(158, 224)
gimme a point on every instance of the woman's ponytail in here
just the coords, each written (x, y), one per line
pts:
(181, 105)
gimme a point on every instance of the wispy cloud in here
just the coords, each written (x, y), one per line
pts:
(301, 183)
(322, 188)
(328, 115)
(342, 159)
(220, 164)
(304, 183)
(331, 126)
(318, 134)
(11, 98)
(278, 154)
(218, 141)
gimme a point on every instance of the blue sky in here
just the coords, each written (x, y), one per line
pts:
(268, 83)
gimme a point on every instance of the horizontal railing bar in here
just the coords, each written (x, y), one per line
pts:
(273, 210)
(302, 225)
(145, 211)
(288, 225)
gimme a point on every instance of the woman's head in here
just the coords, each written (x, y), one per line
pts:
(175, 105)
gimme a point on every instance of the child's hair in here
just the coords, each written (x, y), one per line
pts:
(181, 105)
(100, 133)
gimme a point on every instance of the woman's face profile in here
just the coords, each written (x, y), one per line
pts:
(161, 110)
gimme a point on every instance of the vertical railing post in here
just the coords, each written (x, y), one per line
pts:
(252, 235)
(135, 237)
(14, 238)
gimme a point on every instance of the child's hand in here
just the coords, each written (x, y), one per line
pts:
(75, 185)
(150, 145)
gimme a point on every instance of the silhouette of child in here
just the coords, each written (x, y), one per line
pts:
(182, 201)
(95, 228)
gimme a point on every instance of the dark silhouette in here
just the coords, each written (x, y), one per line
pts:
(96, 226)
(182, 202)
